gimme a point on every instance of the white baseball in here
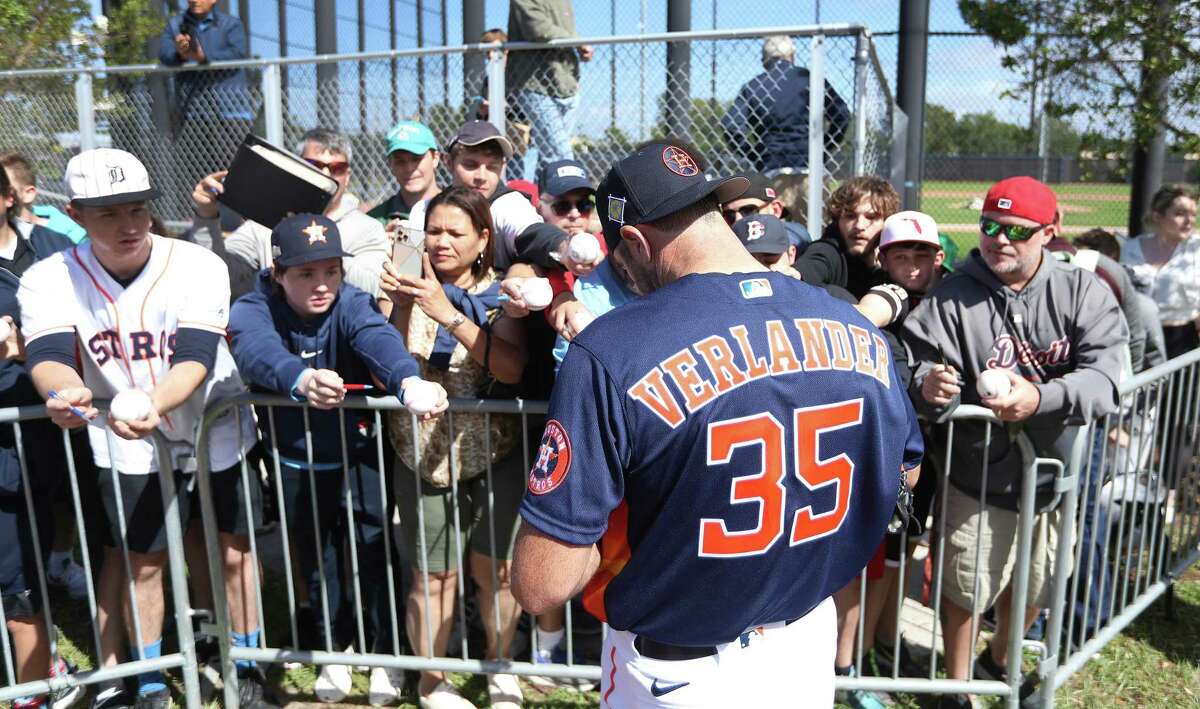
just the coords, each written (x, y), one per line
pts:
(992, 383)
(5, 329)
(584, 248)
(421, 397)
(130, 405)
(537, 293)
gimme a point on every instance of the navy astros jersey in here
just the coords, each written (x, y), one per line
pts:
(735, 444)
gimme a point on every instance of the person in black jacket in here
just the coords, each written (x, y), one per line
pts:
(768, 122)
(846, 254)
(307, 334)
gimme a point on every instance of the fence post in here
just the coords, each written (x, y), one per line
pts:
(85, 111)
(496, 105)
(816, 133)
(861, 47)
(272, 98)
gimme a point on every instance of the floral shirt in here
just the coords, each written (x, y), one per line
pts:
(465, 379)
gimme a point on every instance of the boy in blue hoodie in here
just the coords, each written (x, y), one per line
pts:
(305, 333)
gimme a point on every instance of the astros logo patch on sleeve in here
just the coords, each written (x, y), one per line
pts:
(553, 459)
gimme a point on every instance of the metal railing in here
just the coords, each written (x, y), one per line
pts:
(185, 122)
(37, 497)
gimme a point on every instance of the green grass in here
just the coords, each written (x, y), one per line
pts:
(1085, 206)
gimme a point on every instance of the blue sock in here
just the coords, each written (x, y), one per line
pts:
(249, 639)
(149, 682)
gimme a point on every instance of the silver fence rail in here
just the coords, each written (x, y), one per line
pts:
(29, 502)
(187, 122)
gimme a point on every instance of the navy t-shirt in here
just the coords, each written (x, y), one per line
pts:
(734, 442)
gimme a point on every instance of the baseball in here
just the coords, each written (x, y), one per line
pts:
(130, 405)
(536, 293)
(5, 329)
(992, 383)
(584, 248)
(421, 397)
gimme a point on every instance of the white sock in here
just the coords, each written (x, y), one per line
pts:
(59, 558)
(547, 640)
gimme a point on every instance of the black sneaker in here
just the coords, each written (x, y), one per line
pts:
(987, 668)
(253, 692)
(112, 695)
(911, 664)
(160, 699)
(955, 701)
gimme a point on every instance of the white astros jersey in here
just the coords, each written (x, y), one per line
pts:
(126, 337)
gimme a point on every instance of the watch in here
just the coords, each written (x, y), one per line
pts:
(459, 319)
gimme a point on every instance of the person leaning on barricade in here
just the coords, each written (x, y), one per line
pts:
(451, 320)
(306, 333)
(1056, 334)
(79, 308)
(248, 249)
(46, 469)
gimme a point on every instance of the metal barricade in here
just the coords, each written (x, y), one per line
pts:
(275, 645)
(34, 495)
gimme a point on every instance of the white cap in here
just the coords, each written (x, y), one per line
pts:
(104, 176)
(909, 228)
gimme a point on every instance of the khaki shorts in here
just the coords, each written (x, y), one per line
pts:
(997, 553)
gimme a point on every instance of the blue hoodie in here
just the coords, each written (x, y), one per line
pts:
(273, 345)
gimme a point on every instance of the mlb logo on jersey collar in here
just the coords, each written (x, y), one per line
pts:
(756, 288)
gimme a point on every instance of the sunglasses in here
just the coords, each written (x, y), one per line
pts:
(563, 207)
(1013, 232)
(733, 215)
(337, 169)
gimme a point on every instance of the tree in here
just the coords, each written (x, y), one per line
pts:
(1109, 54)
(37, 34)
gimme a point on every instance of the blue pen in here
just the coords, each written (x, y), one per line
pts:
(75, 410)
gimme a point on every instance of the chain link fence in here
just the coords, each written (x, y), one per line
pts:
(186, 124)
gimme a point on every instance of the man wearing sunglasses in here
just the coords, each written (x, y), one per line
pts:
(248, 249)
(1057, 334)
(762, 198)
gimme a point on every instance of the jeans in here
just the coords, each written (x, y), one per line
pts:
(551, 120)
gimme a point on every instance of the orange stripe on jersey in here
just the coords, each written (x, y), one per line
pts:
(614, 554)
(162, 356)
(120, 345)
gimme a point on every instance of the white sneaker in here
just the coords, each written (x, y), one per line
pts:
(333, 684)
(444, 696)
(386, 685)
(504, 691)
(70, 576)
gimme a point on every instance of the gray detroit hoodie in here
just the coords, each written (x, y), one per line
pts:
(1063, 331)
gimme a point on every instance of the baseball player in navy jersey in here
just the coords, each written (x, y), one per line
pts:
(131, 310)
(709, 488)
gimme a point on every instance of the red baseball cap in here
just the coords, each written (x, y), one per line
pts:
(1022, 197)
(526, 188)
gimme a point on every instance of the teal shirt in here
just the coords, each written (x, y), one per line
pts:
(600, 291)
(57, 221)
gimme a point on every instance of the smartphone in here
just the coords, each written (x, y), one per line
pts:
(408, 248)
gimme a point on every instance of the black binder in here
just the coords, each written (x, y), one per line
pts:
(266, 184)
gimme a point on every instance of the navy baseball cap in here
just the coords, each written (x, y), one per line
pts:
(661, 178)
(762, 234)
(760, 188)
(304, 238)
(559, 178)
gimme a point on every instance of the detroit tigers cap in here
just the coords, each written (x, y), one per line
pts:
(106, 176)
(304, 238)
(660, 178)
(559, 178)
(762, 234)
(1022, 197)
(475, 133)
(909, 228)
(411, 137)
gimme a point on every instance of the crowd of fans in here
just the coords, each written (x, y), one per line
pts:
(511, 272)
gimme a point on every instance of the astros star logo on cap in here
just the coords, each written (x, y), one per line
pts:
(679, 162)
(316, 233)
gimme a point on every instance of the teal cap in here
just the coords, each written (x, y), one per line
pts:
(411, 137)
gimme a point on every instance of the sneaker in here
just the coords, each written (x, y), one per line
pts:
(445, 696)
(986, 667)
(955, 701)
(911, 664)
(333, 684)
(67, 696)
(70, 576)
(386, 685)
(160, 699)
(504, 691)
(253, 692)
(112, 695)
(549, 684)
(858, 698)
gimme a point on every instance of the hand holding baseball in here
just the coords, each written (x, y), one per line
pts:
(427, 400)
(515, 306)
(1019, 402)
(132, 414)
(581, 254)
